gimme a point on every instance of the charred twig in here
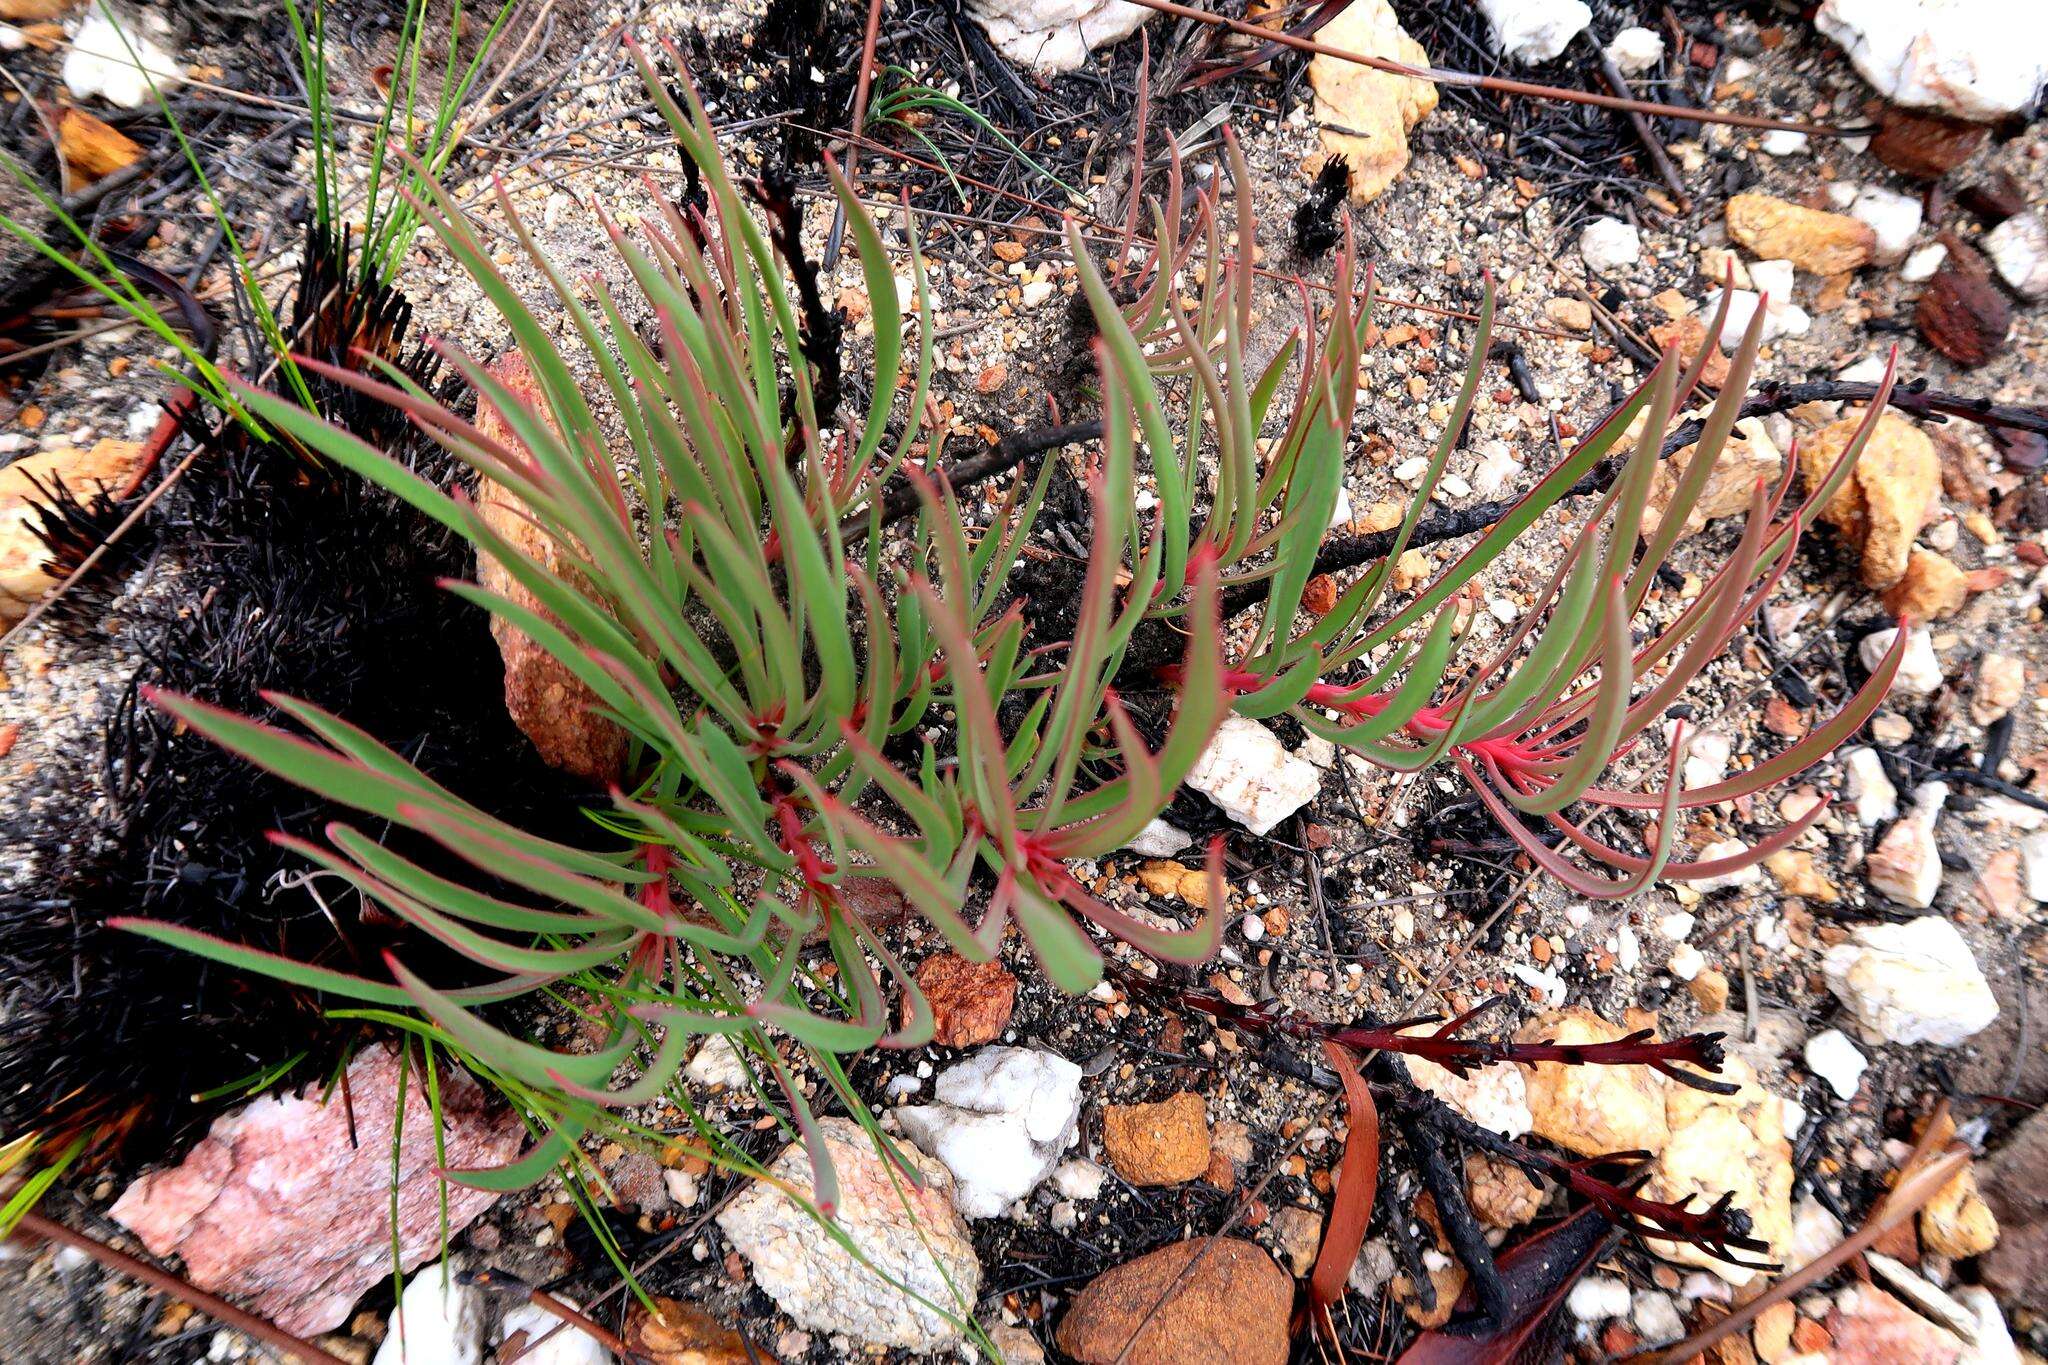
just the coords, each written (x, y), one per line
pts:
(902, 500)
(1660, 158)
(1914, 398)
(1719, 1228)
(776, 194)
(1454, 1215)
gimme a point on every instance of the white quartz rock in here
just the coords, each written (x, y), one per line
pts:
(1906, 864)
(1608, 244)
(1053, 36)
(436, 1322)
(1637, 49)
(2034, 857)
(1919, 671)
(717, 1063)
(1533, 31)
(1922, 264)
(1915, 982)
(1875, 798)
(1160, 840)
(117, 62)
(1596, 1298)
(1004, 1117)
(549, 1340)
(1251, 776)
(1782, 317)
(1975, 59)
(1494, 1097)
(2019, 248)
(903, 1229)
(1892, 216)
(1831, 1056)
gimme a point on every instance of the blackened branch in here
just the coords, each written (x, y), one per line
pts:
(901, 498)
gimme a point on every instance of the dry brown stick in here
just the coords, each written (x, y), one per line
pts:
(1499, 85)
(135, 1267)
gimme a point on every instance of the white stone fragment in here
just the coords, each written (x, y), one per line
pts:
(1608, 244)
(549, 1340)
(1919, 671)
(437, 1321)
(117, 63)
(1549, 983)
(1686, 962)
(1706, 754)
(1893, 216)
(1636, 49)
(1831, 1056)
(1868, 789)
(682, 1187)
(1249, 774)
(925, 1247)
(1078, 1179)
(1004, 1117)
(1657, 1317)
(1160, 840)
(717, 1063)
(1596, 1298)
(1915, 982)
(2034, 858)
(1749, 875)
(1782, 317)
(1922, 264)
(1533, 31)
(1994, 1344)
(1815, 1232)
(1053, 36)
(1494, 1097)
(1783, 142)
(1975, 59)
(1498, 468)
(1906, 864)
(2019, 248)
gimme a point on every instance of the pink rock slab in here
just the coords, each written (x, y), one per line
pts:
(285, 1205)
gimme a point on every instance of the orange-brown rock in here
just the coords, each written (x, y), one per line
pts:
(1893, 491)
(1158, 1144)
(1931, 589)
(1502, 1195)
(549, 704)
(1814, 241)
(1365, 115)
(1220, 1302)
(971, 1001)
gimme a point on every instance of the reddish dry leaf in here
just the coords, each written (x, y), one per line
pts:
(1358, 1178)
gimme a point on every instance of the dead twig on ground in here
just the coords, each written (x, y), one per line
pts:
(37, 1225)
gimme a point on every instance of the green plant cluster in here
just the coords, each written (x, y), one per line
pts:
(802, 710)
